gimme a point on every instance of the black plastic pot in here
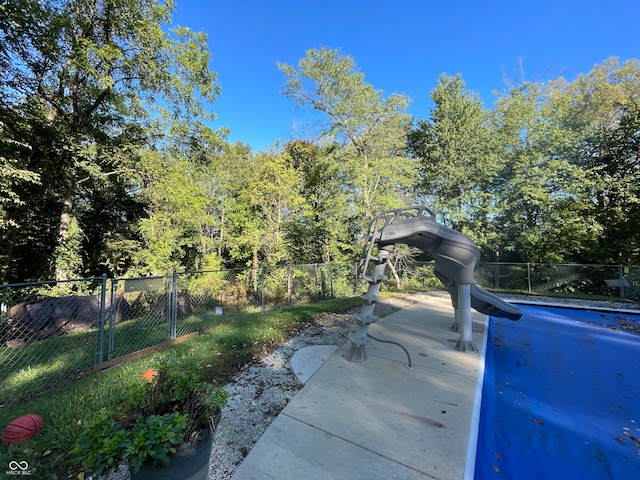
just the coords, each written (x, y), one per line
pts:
(191, 462)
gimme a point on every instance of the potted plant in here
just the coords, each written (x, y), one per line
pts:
(163, 427)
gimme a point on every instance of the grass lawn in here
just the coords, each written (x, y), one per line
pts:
(214, 355)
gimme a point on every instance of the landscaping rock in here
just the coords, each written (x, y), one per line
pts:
(57, 316)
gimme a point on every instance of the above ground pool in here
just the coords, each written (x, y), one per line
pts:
(560, 397)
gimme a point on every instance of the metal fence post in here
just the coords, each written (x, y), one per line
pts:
(331, 292)
(289, 284)
(172, 305)
(355, 278)
(262, 288)
(621, 277)
(316, 272)
(528, 276)
(103, 296)
(112, 316)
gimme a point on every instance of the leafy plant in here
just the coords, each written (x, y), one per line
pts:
(167, 407)
(155, 438)
(171, 389)
(103, 443)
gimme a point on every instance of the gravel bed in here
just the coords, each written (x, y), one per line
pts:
(262, 390)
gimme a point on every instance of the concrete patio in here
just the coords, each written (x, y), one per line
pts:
(378, 419)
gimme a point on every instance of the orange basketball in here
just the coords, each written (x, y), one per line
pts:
(22, 428)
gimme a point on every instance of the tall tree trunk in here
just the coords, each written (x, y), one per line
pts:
(395, 275)
(221, 232)
(255, 265)
(5, 260)
(62, 272)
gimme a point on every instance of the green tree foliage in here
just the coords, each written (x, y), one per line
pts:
(541, 193)
(596, 118)
(181, 187)
(18, 18)
(458, 160)
(108, 162)
(322, 233)
(597, 99)
(370, 129)
(266, 200)
(613, 155)
(11, 175)
(175, 208)
(102, 78)
(229, 169)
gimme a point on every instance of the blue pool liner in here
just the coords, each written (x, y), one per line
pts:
(558, 397)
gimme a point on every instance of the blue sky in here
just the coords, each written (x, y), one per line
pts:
(400, 45)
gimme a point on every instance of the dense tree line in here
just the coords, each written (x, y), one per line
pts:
(108, 162)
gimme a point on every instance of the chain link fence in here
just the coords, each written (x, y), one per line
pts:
(50, 332)
(55, 332)
(602, 280)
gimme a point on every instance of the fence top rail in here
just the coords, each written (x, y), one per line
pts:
(599, 265)
(151, 277)
(187, 272)
(262, 267)
(307, 265)
(51, 282)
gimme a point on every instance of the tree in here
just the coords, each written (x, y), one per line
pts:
(613, 156)
(11, 177)
(17, 19)
(181, 188)
(597, 99)
(106, 77)
(542, 212)
(229, 169)
(458, 160)
(321, 233)
(597, 117)
(176, 208)
(267, 199)
(29, 239)
(370, 129)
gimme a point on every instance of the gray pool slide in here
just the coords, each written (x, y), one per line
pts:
(456, 258)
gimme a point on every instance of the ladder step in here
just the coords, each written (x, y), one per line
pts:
(375, 278)
(365, 320)
(369, 299)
